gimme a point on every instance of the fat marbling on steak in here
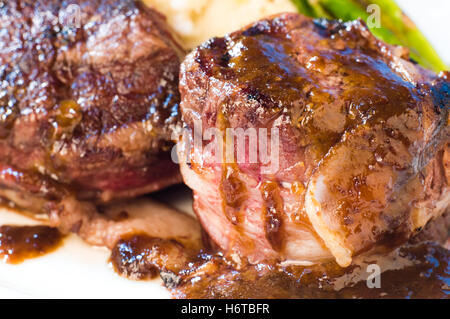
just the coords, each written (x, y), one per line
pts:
(363, 140)
(89, 95)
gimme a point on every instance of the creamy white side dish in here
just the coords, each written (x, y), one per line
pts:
(198, 20)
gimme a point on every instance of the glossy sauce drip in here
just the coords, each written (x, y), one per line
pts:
(18, 243)
(273, 211)
(140, 257)
(68, 115)
(233, 192)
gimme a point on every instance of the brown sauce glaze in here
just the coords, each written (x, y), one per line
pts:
(233, 191)
(420, 271)
(428, 276)
(273, 211)
(18, 243)
(140, 257)
(264, 63)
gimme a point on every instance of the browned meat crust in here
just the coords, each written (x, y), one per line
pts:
(89, 106)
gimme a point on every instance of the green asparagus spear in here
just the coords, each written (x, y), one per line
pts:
(347, 10)
(408, 34)
(305, 8)
(396, 27)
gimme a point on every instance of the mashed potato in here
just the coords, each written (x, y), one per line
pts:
(198, 20)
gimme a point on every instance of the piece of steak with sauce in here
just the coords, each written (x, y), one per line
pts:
(364, 143)
(88, 98)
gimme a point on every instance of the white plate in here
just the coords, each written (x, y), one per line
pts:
(433, 19)
(77, 270)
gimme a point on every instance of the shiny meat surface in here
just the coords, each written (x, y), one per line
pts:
(363, 141)
(89, 95)
(106, 225)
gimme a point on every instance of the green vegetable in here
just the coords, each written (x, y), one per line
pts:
(395, 26)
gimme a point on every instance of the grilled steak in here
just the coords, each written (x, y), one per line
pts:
(89, 95)
(364, 144)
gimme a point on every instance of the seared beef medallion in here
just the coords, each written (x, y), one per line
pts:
(89, 98)
(87, 106)
(364, 142)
